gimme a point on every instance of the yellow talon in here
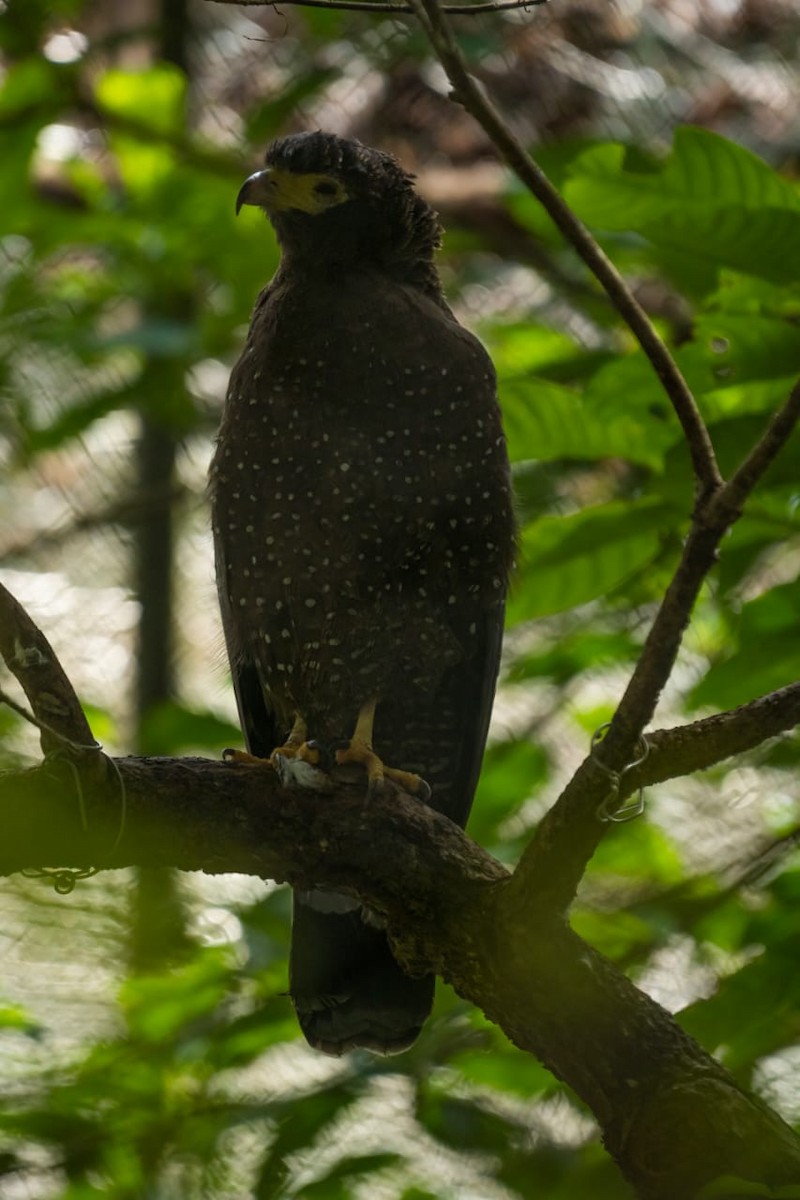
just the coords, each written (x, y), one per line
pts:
(359, 750)
(245, 759)
(296, 746)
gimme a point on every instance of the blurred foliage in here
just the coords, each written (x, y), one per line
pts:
(122, 267)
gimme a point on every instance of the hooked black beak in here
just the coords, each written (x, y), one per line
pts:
(259, 189)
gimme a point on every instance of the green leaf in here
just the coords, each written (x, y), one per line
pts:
(704, 171)
(27, 84)
(512, 771)
(567, 561)
(154, 98)
(170, 728)
(466, 1122)
(572, 653)
(629, 383)
(519, 349)
(772, 624)
(744, 348)
(615, 934)
(300, 1122)
(157, 1007)
(643, 852)
(14, 1017)
(545, 421)
(245, 1040)
(337, 1183)
(75, 418)
(753, 1013)
(712, 198)
(505, 1069)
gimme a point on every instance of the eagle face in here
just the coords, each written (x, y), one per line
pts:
(318, 186)
(314, 172)
(278, 190)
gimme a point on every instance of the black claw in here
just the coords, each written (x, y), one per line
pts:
(325, 753)
(228, 754)
(424, 792)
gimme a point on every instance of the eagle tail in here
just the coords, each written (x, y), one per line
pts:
(348, 990)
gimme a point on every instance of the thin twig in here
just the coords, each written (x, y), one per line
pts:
(465, 10)
(655, 663)
(43, 726)
(472, 97)
(701, 744)
(781, 426)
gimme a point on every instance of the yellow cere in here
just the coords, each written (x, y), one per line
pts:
(307, 193)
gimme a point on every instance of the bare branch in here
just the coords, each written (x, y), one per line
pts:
(374, 6)
(570, 832)
(471, 96)
(661, 646)
(30, 657)
(695, 747)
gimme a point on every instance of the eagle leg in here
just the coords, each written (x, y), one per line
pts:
(359, 750)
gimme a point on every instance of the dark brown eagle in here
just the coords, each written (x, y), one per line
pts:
(363, 527)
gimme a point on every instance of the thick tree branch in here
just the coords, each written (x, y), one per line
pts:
(449, 908)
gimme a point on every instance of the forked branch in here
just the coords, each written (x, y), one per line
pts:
(554, 861)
